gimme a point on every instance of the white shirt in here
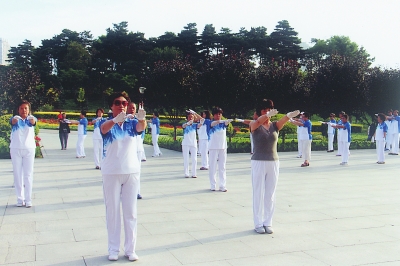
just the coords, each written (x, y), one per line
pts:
(120, 149)
(189, 135)
(23, 134)
(96, 130)
(217, 137)
(202, 132)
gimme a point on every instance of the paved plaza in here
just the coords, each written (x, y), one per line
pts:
(326, 214)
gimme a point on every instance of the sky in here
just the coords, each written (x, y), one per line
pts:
(371, 24)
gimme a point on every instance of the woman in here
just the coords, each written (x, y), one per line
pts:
(380, 136)
(97, 139)
(203, 139)
(82, 133)
(189, 143)
(22, 151)
(265, 163)
(120, 171)
(305, 137)
(155, 132)
(63, 131)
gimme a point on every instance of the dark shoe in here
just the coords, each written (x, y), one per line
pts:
(203, 168)
(194, 176)
(330, 151)
(305, 164)
(139, 196)
(97, 167)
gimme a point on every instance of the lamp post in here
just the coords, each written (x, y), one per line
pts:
(141, 90)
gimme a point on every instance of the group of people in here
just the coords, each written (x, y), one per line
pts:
(119, 141)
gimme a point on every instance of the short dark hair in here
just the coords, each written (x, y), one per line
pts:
(264, 104)
(207, 113)
(100, 109)
(217, 110)
(21, 103)
(83, 113)
(382, 116)
(116, 95)
(306, 114)
(156, 113)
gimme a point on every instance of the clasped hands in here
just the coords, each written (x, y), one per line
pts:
(141, 115)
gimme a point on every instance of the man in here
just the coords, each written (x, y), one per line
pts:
(331, 132)
(140, 148)
(82, 133)
(344, 138)
(394, 132)
(218, 149)
(388, 122)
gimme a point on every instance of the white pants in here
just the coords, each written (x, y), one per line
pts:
(345, 146)
(264, 177)
(203, 149)
(139, 156)
(98, 151)
(185, 152)
(217, 156)
(299, 147)
(80, 148)
(339, 143)
(306, 146)
(330, 141)
(22, 161)
(154, 139)
(388, 141)
(121, 189)
(380, 150)
(395, 143)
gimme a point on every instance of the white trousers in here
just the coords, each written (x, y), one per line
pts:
(306, 146)
(339, 143)
(299, 147)
(388, 141)
(121, 189)
(395, 143)
(330, 141)
(193, 153)
(80, 148)
(154, 139)
(98, 151)
(139, 156)
(22, 161)
(380, 150)
(203, 149)
(345, 146)
(217, 157)
(264, 177)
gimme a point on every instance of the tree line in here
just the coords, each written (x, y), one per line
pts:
(201, 70)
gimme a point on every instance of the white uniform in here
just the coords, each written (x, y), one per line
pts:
(203, 145)
(155, 131)
(189, 144)
(305, 139)
(345, 139)
(120, 169)
(380, 141)
(394, 130)
(388, 134)
(299, 143)
(82, 133)
(22, 151)
(331, 134)
(218, 153)
(97, 142)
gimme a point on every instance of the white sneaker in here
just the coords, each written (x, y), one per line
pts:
(223, 189)
(260, 230)
(299, 156)
(343, 163)
(113, 257)
(132, 257)
(268, 229)
(28, 204)
(20, 204)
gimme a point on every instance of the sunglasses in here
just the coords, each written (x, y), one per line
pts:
(118, 103)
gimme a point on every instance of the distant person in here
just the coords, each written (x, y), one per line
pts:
(344, 138)
(120, 170)
(380, 136)
(305, 137)
(218, 149)
(189, 143)
(395, 129)
(22, 151)
(388, 122)
(82, 133)
(97, 138)
(155, 132)
(331, 132)
(63, 131)
(202, 133)
(60, 116)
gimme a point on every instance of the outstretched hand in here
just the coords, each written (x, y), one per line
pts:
(272, 112)
(293, 114)
(119, 118)
(141, 114)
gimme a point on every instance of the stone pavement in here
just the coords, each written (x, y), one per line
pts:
(326, 214)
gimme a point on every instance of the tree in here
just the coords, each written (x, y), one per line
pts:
(187, 41)
(172, 87)
(21, 56)
(285, 43)
(81, 97)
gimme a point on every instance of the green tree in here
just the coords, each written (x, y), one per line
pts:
(21, 57)
(284, 42)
